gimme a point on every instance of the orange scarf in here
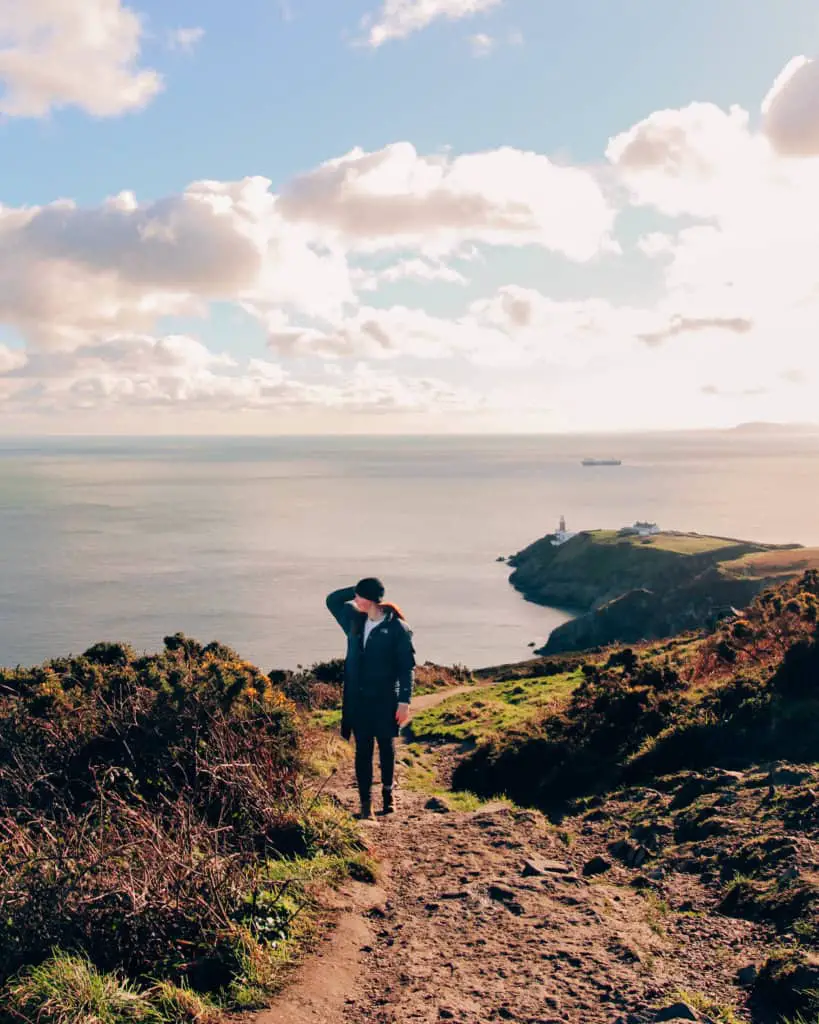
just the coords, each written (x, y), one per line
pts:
(389, 606)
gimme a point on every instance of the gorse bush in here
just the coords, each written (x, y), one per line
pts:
(320, 687)
(143, 800)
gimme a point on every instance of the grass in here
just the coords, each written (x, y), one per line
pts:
(677, 543)
(420, 776)
(710, 1008)
(493, 709)
(657, 911)
(771, 564)
(685, 543)
(68, 989)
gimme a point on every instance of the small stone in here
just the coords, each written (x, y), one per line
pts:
(438, 805)
(445, 1014)
(679, 1011)
(656, 874)
(789, 875)
(596, 866)
(500, 893)
(638, 857)
(506, 897)
(746, 976)
(539, 866)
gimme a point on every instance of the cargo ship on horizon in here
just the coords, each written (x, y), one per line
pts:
(602, 462)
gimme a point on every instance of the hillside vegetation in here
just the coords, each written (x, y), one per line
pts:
(693, 758)
(627, 589)
(160, 836)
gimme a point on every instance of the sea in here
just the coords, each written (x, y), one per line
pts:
(240, 539)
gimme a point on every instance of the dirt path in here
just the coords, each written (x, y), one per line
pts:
(462, 928)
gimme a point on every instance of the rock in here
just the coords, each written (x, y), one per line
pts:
(596, 866)
(679, 1011)
(506, 897)
(802, 801)
(787, 981)
(650, 835)
(789, 875)
(746, 976)
(630, 854)
(656, 875)
(438, 805)
(639, 857)
(782, 775)
(445, 1014)
(501, 893)
(697, 785)
(539, 866)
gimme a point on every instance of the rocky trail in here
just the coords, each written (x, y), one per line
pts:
(497, 914)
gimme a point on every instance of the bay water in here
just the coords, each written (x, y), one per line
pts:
(240, 539)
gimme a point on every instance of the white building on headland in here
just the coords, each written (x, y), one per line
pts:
(639, 529)
(561, 534)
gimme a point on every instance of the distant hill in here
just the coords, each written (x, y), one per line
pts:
(629, 588)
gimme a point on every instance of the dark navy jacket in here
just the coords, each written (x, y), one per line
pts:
(377, 677)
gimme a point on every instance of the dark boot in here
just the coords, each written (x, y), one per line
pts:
(389, 804)
(366, 805)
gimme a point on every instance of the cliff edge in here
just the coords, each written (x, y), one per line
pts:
(631, 588)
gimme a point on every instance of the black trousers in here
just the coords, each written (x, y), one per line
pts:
(364, 748)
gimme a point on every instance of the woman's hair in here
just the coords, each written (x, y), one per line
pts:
(393, 608)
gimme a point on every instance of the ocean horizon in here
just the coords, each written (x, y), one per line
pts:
(240, 538)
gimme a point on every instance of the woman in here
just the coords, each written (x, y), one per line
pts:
(379, 673)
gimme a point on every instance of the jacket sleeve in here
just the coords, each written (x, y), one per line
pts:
(337, 602)
(406, 664)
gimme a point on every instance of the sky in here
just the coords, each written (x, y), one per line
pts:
(401, 216)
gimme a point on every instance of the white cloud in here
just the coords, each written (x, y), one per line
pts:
(482, 44)
(82, 53)
(398, 331)
(420, 270)
(515, 327)
(68, 273)
(185, 38)
(691, 325)
(400, 18)
(397, 198)
(791, 109)
(655, 243)
(178, 372)
(744, 263)
(11, 359)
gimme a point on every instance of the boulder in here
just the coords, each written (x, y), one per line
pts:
(596, 866)
(540, 866)
(746, 976)
(678, 1011)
